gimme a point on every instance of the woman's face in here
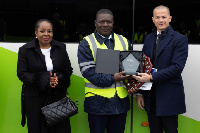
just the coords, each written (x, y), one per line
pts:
(44, 33)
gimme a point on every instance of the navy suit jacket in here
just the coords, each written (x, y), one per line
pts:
(170, 61)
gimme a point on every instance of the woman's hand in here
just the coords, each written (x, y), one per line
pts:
(53, 80)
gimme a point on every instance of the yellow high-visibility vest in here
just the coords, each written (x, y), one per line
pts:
(140, 38)
(121, 43)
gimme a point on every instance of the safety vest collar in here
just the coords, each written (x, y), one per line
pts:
(120, 43)
(101, 39)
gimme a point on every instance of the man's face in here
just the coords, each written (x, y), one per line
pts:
(161, 19)
(104, 24)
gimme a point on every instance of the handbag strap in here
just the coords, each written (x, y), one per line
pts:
(50, 93)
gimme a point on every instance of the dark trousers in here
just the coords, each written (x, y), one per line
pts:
(158, 123)
(113, 123)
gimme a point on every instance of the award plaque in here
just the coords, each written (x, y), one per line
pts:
(146, 68)
(131, 62)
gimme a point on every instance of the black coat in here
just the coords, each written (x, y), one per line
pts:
(32, 71)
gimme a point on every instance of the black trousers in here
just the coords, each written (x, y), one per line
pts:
(113, 123)
(158, 123)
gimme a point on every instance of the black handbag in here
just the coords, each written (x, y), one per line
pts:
(59, 111)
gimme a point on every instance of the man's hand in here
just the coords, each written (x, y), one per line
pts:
(133, 90)
(140, 101)
(120, 77)
(142, 77)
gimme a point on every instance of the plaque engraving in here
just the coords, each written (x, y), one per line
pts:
(130, 65)
(131, 62)
(146, 68)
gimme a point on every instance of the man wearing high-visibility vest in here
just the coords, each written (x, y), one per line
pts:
(106, 100)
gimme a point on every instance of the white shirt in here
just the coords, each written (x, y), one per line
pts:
(48, 60)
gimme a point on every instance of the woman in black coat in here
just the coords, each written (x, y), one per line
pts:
(45, 69)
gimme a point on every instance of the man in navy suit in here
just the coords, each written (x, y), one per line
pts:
(166, 99)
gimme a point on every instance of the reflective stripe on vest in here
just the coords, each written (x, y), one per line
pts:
(86, 65)
(121, 43)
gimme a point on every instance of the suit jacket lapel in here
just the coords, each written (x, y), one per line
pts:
(165, 41)
(152, 43)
